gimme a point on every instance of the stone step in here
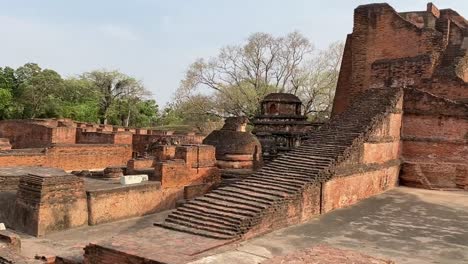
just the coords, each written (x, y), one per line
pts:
(302, 162)
(228, 204)
(279, 188)
(202, 227)
(202, 222)
(211, 214)
(261, 190)
(205, 217)
(230, 191)
(195, 231)
(237, 200)
(280, 167)
(278, 176)
(309, 159)
(277, 180)
(274, 183)
(221, 208)
(223, 213)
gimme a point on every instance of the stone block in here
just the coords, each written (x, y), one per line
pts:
(133, 179)
(130, 179)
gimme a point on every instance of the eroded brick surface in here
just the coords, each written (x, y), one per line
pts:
(425, 53)
(324, 254)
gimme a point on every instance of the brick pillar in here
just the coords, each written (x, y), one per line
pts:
(47, 203)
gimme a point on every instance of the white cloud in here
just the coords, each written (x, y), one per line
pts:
(119, 32)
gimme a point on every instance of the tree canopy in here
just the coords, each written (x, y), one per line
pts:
(98, 96)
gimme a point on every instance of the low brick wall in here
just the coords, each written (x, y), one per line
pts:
(123, 202)
(69, 156)
(301, 208)
(348, 190)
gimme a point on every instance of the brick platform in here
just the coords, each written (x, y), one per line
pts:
(46, 202)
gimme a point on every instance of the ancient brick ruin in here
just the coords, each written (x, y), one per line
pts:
(281, 125)
(400, 116)
(342, 163)
(425, 53)
(39, 200)
(69, 145)
(238, 153)
(38, 196)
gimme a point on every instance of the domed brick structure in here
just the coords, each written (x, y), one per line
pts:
(280, 126)
(235, 148)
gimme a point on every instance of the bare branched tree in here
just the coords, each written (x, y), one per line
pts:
(240, 76)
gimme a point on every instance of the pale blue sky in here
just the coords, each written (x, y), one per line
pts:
(155, 40)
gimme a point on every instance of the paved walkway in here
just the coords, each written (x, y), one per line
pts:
(404, 225)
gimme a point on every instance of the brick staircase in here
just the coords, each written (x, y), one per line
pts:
(230, 176)
(231, 211)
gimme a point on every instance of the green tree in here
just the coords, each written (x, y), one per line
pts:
(113, 86)
(97, 96)
(79, 100)
(6, 101)
(39, 93)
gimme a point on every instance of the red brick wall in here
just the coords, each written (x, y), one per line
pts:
(123, 138)
(380, 33)
(80, 157)
(94, 138)
(130, 201)
(104, 138)
(49, 203)
(386, 50)
(435, 135)
(22, 159)
(64, 135)
(346, 191)
(25, 135)
(140, 163)
(191, 165)
(72, 157)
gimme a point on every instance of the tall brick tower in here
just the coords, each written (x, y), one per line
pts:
(424, 52)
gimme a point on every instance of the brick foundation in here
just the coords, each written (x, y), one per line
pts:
(46, 203)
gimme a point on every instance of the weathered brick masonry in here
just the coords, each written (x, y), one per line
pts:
(47, 202)
(69, 156)
(70, 145)
(426, 53)
(353, 157)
